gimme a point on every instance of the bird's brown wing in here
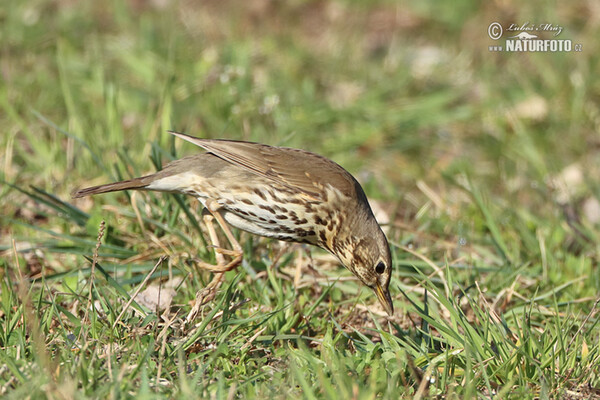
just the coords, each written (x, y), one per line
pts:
(293, 168)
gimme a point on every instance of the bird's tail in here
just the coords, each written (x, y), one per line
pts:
(137, 183)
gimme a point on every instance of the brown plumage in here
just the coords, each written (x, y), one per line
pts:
(277, 192)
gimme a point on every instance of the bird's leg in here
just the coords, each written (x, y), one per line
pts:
(222, 266)
(208, 293)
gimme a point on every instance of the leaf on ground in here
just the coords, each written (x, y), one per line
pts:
(158, 296)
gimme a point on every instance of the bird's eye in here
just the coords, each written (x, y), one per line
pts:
(380, 268)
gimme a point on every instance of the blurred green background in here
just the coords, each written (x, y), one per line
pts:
(484, 163)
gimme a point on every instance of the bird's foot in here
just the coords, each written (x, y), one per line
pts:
(205, 295)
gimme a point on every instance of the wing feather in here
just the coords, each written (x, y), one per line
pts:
(295, 169)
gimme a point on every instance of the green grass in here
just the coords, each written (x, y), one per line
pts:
(485, 163)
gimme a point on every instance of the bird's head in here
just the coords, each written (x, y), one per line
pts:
(370, 260)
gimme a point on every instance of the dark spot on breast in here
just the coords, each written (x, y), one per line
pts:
(320, 221)
(260, 194)
(281, 216)
(267, 208)
(275, 197)
(246, 201)
(323, 236)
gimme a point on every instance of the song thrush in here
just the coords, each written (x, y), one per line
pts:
(277, 192)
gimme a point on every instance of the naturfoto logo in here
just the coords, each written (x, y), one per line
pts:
(526, 38)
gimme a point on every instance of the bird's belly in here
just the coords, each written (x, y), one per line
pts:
(247, 225)
(271, 227)
(260, 211)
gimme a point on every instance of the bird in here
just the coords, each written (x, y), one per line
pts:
(277, 192)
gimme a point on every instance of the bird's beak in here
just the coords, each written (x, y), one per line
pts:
(384, 298)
